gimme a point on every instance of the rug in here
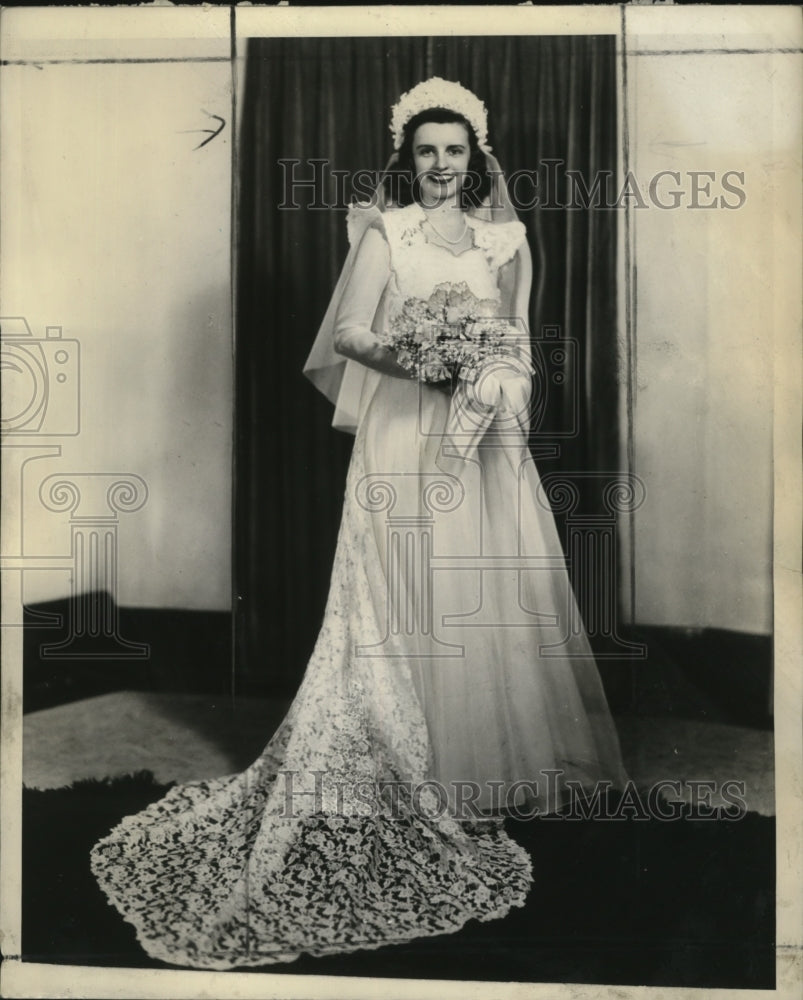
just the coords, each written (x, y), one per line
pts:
(184, 737)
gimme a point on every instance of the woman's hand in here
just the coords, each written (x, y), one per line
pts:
(363, 345)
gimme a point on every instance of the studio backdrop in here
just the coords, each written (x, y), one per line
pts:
(552, 111)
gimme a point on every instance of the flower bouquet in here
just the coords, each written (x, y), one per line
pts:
(448, 335)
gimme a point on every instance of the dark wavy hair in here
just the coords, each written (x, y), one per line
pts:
(401, 186)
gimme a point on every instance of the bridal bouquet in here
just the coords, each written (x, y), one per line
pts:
(449, 334)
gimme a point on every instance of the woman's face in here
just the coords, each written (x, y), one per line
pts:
(441, 153)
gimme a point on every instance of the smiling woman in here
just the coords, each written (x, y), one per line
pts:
(445, 160)
(446, 683)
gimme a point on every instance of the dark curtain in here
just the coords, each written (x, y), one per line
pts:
(549, 98)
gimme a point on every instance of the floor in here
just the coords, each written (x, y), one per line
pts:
(181, 737)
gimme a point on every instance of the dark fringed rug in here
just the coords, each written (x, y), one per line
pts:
(686, 903)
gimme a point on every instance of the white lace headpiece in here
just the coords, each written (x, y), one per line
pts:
(439, 93)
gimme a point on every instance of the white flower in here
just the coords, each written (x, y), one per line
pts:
(439, 93)
(434, 372)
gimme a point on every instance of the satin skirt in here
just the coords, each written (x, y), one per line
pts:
(475, 600)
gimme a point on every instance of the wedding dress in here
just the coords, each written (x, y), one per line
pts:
(446, 680)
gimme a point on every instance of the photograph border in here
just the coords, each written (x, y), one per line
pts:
(23, 26)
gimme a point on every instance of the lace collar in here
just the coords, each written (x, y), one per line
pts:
(411, 221)
(497, 240)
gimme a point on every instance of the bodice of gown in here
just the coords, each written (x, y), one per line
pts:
(419, 266)
(365, 300)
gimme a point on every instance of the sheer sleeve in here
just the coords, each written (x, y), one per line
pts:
(354, 336)
(354, 319)
(344, 374)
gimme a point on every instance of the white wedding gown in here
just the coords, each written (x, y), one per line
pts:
(444, 673)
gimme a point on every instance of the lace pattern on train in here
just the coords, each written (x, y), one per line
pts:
(292, 855)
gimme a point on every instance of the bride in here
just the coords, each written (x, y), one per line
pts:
(447, 686)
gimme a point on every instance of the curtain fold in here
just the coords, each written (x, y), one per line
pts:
(549, 98)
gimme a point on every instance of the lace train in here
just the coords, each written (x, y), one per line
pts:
(208, 883)
(331, 841)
